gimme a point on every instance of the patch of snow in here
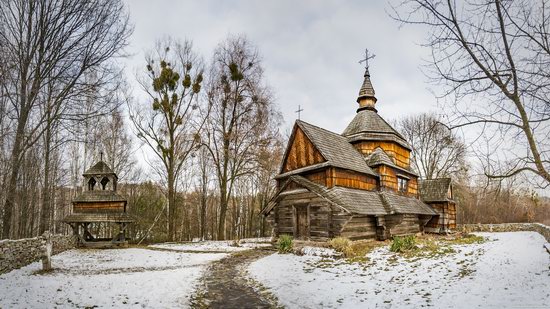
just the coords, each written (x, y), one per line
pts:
(107, 278)
(318, 251)
(214, 246)
(256, 240)
(509, 270)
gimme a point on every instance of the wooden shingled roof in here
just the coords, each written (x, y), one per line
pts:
(334, 148)
(380, 157)
(435, 190)
(99, 196)
(367, 124)
(405, 205)
(358, 201)
(100, 168)
(367, 90)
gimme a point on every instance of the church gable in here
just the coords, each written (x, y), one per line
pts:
(301, 152)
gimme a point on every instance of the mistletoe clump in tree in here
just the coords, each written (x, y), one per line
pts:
(171, 127)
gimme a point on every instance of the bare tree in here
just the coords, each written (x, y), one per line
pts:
(52, 43)
(493, 58)
(269, 159)
(203, 164)
(436, 151)
(117, 144)
(241, 118)
(170, 126)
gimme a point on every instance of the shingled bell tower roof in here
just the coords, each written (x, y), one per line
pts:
(100, 168)
(367, 125)
(366, 98)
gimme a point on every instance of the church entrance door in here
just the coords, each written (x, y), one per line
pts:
(302, 222)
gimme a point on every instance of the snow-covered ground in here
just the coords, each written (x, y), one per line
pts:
(216, 246)
(511, 270)
(107, 278)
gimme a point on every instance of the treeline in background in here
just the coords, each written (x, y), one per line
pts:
(196, 145)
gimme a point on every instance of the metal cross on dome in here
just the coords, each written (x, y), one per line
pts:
(367, 57)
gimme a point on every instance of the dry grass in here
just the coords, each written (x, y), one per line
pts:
(429, 245)
(355, 251)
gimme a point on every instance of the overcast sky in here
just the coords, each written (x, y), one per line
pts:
(310, 51)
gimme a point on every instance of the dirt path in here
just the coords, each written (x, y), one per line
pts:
(225, 285)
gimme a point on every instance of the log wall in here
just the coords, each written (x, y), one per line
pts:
(402, 224)
(318, 211)
(324, 220)
(360, 227)
(301, 153)
(399, 154)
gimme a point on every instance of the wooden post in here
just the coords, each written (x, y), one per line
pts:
(47, 257)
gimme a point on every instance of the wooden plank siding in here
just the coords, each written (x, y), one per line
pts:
(446, 217)
(388, 180)
(399, 154)
(301, 153)
(350, 179)
(452, 215)
(110, 207)
(319, 177)
(330, 177)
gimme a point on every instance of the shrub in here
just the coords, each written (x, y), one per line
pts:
(402, 244)
(284, 244)
(342, 245)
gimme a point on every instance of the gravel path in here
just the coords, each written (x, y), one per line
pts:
(225, 284)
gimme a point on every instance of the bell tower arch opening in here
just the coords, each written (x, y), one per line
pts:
(91, 184)
(104, 182)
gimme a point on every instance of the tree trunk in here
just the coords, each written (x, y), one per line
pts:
(171, 205)
(45, 211)
(12, 183)
(223, 209)
(203, 210)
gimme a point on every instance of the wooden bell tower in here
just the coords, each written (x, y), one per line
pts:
(99, 205)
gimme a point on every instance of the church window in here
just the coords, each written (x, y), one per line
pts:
(402, 184)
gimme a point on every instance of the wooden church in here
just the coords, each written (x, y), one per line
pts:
(99, 204)
(358, 184)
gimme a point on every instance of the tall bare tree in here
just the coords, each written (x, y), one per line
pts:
(170, 126)
(117, 144)
(437, 152)
(204, 173)
(241, 119)
(493, 57)
(52, 43)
